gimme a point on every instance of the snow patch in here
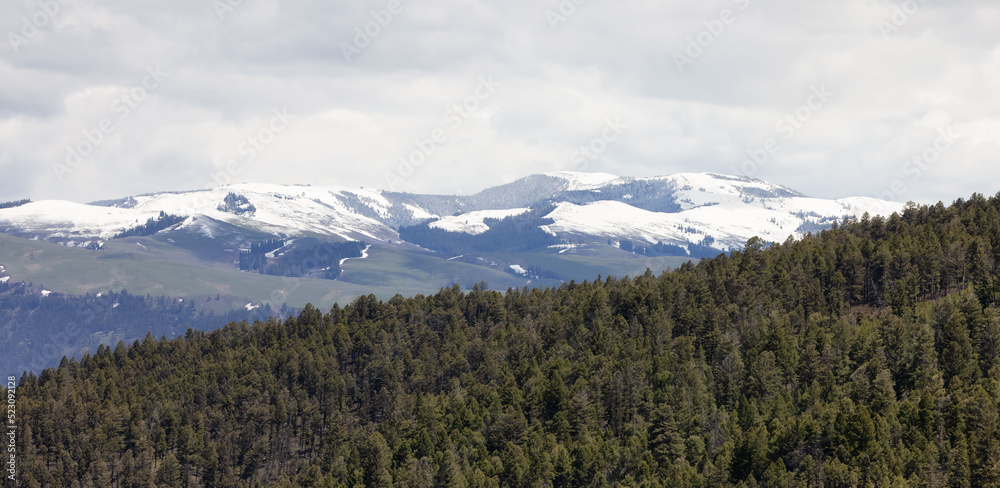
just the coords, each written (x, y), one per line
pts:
(518, 269)
(72, 221)
(283, 209)
(272, 254)
(364, 255)
(701, 189)
(730, 224)
(251, 307)
(419, 213)
(46, 293)
(564, 247)
(472, 222)
(576, 180)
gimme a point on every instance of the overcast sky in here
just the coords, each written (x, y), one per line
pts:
(832, 98)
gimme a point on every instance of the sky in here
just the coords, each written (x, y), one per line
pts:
(892, 99)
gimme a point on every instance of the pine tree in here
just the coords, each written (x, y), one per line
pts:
(957, 355)
(168, 475)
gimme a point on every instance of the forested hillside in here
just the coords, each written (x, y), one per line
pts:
(152, 226)
(866, 355)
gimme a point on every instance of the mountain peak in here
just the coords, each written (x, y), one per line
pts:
(577, 180)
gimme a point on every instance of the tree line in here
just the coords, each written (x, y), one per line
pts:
(152, 226)
(702, 249)
(15, 203)
(236, 204)
(306, 257)
(255, 258)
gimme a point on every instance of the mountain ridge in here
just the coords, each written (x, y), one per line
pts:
(682, 200)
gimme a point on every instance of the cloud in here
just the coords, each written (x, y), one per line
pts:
(563, 68)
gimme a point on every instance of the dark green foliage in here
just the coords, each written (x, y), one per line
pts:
(862, 356)
(237, 204)
(255, 258)
(15, 203)
(152, 226)
(703, 249)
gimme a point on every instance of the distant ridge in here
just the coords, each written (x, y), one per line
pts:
(680, 210)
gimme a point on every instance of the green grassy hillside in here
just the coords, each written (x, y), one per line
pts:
(162, 266)
(148, 266)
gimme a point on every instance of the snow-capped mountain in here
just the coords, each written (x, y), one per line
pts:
(729, 210)
(680, 210)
